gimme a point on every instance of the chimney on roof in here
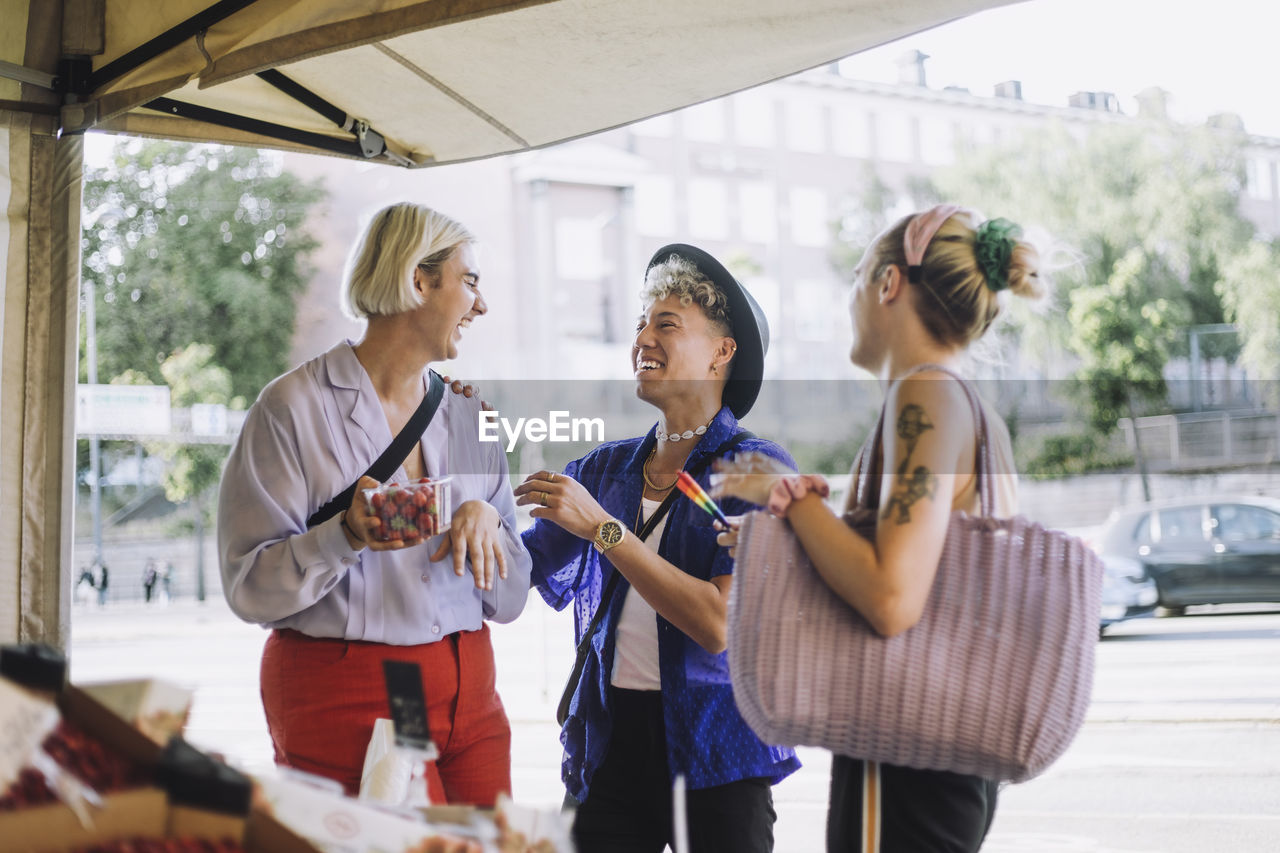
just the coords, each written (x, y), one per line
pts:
(1011, 89)
(1153, 103)
(1105, 102)
(911, 68)
(1226, 121)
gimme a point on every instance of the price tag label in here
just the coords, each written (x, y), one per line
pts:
(24, 722)
(408, 704)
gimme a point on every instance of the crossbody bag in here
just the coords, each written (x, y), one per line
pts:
(385, 465)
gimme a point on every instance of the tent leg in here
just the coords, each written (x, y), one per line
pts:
(41, 237)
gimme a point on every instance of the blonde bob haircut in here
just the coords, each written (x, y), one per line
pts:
(398, 239)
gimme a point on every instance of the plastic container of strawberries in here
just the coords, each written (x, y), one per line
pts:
(422, 508)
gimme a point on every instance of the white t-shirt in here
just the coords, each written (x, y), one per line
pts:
(635, 653)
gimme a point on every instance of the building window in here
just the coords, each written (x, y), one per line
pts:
(805, 126)
(809, 225)
(851, 133)
(704, 122)
(708, 209)
(895, 142)
(814, 321)
(758, 212)
(655, 206)
(579, 249)
(1258, 178)
(753, 119)
(937, 141)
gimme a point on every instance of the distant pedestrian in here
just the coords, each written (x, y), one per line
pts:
(103, 580)
(85, 580)
(149, 578)
(166, 577)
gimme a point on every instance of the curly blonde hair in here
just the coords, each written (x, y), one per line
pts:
(678, 276)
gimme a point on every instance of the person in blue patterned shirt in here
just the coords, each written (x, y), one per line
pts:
(654, 700)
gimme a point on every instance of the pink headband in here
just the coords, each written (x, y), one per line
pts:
(920, 231)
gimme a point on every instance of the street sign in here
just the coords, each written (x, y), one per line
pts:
(208, 419)
(122, 410)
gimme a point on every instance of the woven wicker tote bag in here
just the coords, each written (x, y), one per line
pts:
(993, 681)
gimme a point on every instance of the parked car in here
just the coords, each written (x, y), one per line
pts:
(1201, 550)
(1127, 590)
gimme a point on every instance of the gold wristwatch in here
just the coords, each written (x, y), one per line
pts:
(608, 534)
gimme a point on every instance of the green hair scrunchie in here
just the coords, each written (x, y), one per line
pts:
(993, 245)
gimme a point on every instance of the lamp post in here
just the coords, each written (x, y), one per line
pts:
(95, 448)
(91, 370)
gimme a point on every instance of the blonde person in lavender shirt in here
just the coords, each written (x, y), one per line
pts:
(337, 600)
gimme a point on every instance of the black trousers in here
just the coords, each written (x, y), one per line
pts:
(628, 808)
(880, 808)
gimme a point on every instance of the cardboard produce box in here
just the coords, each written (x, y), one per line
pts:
(156, 708)
(142, 814)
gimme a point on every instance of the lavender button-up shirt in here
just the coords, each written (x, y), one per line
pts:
(310, 434)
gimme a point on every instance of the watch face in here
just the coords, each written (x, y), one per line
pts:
(610, 533)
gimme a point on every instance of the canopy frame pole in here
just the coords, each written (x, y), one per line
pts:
(143, 53)
(306, 97)
(371, 142)
(253, 125)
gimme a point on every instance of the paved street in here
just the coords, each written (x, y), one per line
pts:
(1181, 751)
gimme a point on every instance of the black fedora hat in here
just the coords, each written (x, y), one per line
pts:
(750, 328)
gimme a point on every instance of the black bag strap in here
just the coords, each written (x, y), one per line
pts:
(652, 522)
(386, 464)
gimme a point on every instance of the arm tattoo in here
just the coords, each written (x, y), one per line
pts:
(920, 483)
(912, 423)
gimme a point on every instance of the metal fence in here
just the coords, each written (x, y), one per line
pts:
(1205, 440)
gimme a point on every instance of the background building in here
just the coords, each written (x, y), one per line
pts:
(760, 179)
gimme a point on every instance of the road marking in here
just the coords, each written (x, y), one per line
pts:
(1208, 816)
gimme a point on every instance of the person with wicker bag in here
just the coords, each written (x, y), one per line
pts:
(925, 290)
(650, 700)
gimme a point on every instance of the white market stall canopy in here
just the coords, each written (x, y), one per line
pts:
(392, 81)
(420, 83)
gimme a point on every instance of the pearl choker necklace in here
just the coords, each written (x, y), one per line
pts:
(677, 436)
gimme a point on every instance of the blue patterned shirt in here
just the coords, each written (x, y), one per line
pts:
(707, 739)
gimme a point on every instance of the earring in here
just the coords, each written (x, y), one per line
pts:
(714, 367)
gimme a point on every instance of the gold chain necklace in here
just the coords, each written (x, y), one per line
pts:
(644, 471)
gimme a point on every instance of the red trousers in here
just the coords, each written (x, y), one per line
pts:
(321, 697)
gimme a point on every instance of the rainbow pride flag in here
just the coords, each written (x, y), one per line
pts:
(695, 493)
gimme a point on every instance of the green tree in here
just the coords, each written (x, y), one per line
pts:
(1151, 213)
(192, 470)
(1251, 294)
(869, 211)
(196, 243)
